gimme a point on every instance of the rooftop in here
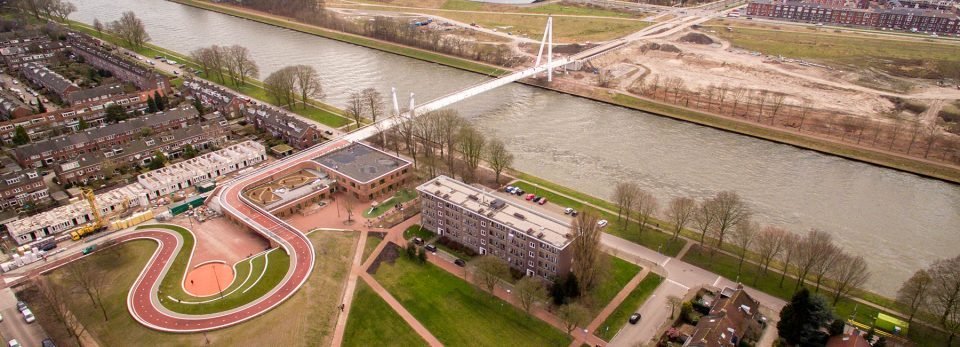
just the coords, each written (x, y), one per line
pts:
(360, 162)
(78, 208)
(201, 165)
(529, 221)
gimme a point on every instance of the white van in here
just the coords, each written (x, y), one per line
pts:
(28, 316)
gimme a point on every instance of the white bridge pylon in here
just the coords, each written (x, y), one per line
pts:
(463, 94)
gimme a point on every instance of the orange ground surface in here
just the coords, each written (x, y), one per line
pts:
(202, 281)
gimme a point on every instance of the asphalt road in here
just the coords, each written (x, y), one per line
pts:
(13, 326)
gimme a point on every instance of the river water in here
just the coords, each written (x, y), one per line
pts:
(899, 222)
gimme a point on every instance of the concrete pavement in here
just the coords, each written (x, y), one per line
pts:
(13, 326)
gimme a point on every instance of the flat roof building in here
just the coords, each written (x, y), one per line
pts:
(531, 241)
(367, 172)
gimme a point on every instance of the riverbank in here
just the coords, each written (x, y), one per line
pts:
(884, 159)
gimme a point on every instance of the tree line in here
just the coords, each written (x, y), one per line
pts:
(234, 61)
(935, 292)
(289, 83)
(726, 218)
(908, 136)
(57, 9)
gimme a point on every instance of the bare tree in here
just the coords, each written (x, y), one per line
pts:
(586, 248)
(355, 107)
(98, 26)
(809, 250)
(406, 130)
(914, 294)
(573, 315)
(202, 57)
(92, 280)
(777, 102)
(490, 271)
(499, 157)
(604, 78)
(647, 205)
(308, 83)
(848, 272)
(241, 64)
(673, 301)
(743, 237)
(930, 136)
(827, 257)
(472, 143)
(730, 210)
(374, 102)
(34, 7)
(791, 245)
(280, 86)
(448, 124)
(348, 207)
(679, 212)
(529, 290)
(945, 294)
(704, 217)
(62, 9)
(738, 96)
(625, 195)
(768, 246)
(55, 299)
(130, 29)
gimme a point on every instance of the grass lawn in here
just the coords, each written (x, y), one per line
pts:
(620, 272)
(900, 57)
(402, 196)
(372, 241)
(417, 231)
(650, 238)
(373, 323)
(306, 319)
(637, 297)
(460, 314)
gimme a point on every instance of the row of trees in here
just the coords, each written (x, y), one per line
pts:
(439, 138)
(781, 110)
(725, 217)
(128, 28)
(935, 291)
(57, 9)
(289, 83)
(233, 60)
(367, 102)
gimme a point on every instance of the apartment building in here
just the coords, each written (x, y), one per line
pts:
(901, 18)
(365, 172)
(90, 165)
(531, 241)
(297, 132)
(91, 111)
(207, 167)
(18, 186)
(65, 147)
(48, 79)
(96, 55)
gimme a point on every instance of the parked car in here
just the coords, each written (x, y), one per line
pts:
(13, 343)
(542, 201)
(47, 342)
(460, 262)
(519, 192)
(510, 189)
(568, 211)
(602, 223)
(418, 240)
(21, 306)
(89, 250)
(530, 197)
(634, 318)
(431, 248)
(28, 316)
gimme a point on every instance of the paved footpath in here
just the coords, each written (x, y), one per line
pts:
(347, 299)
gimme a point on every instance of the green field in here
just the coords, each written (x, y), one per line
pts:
(899, 57)
(620, 273)
(371, 244)
(417, 231)
(402, 196)
(374, 323)
(637, 297)
(458, 313)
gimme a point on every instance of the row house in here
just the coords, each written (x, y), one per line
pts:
(85, 167)
(70, 146)
(18, 186)
(295, 131)
(204, 168)
(47, 79)
(64, 218)
(30, 48)
(12, 107)
(529, 240)
(96, 55)
(93, 112)
(217, 97)
(97, 93)
(365, 172)
(913, 19)
(734, 320)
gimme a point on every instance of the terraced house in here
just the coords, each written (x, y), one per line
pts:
(532, 242)
(18, 186)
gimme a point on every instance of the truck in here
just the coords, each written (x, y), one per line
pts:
(99, 222)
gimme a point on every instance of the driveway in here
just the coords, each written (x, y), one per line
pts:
(654, 313)
(13, 325)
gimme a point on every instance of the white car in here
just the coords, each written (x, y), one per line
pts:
(602, 223)
(28, 316)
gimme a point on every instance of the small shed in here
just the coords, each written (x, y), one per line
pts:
(281, 150)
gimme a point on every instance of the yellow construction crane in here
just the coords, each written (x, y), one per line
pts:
(99, 221)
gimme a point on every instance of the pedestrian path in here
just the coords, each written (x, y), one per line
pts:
(346, 301)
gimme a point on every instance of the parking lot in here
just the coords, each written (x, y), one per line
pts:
(550, 208)
(13, 326)
(7, 82)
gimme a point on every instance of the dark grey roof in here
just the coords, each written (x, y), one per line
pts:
(279, 120)
(92, 46)
(360, 162)
(90, 135)
(95, 92)
(47, 78)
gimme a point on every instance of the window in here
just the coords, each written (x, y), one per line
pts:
(531, 253)
(483, 224)
(441, 222)
(483, 241)
(440, 213)
(533, 245)
(530, 263)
